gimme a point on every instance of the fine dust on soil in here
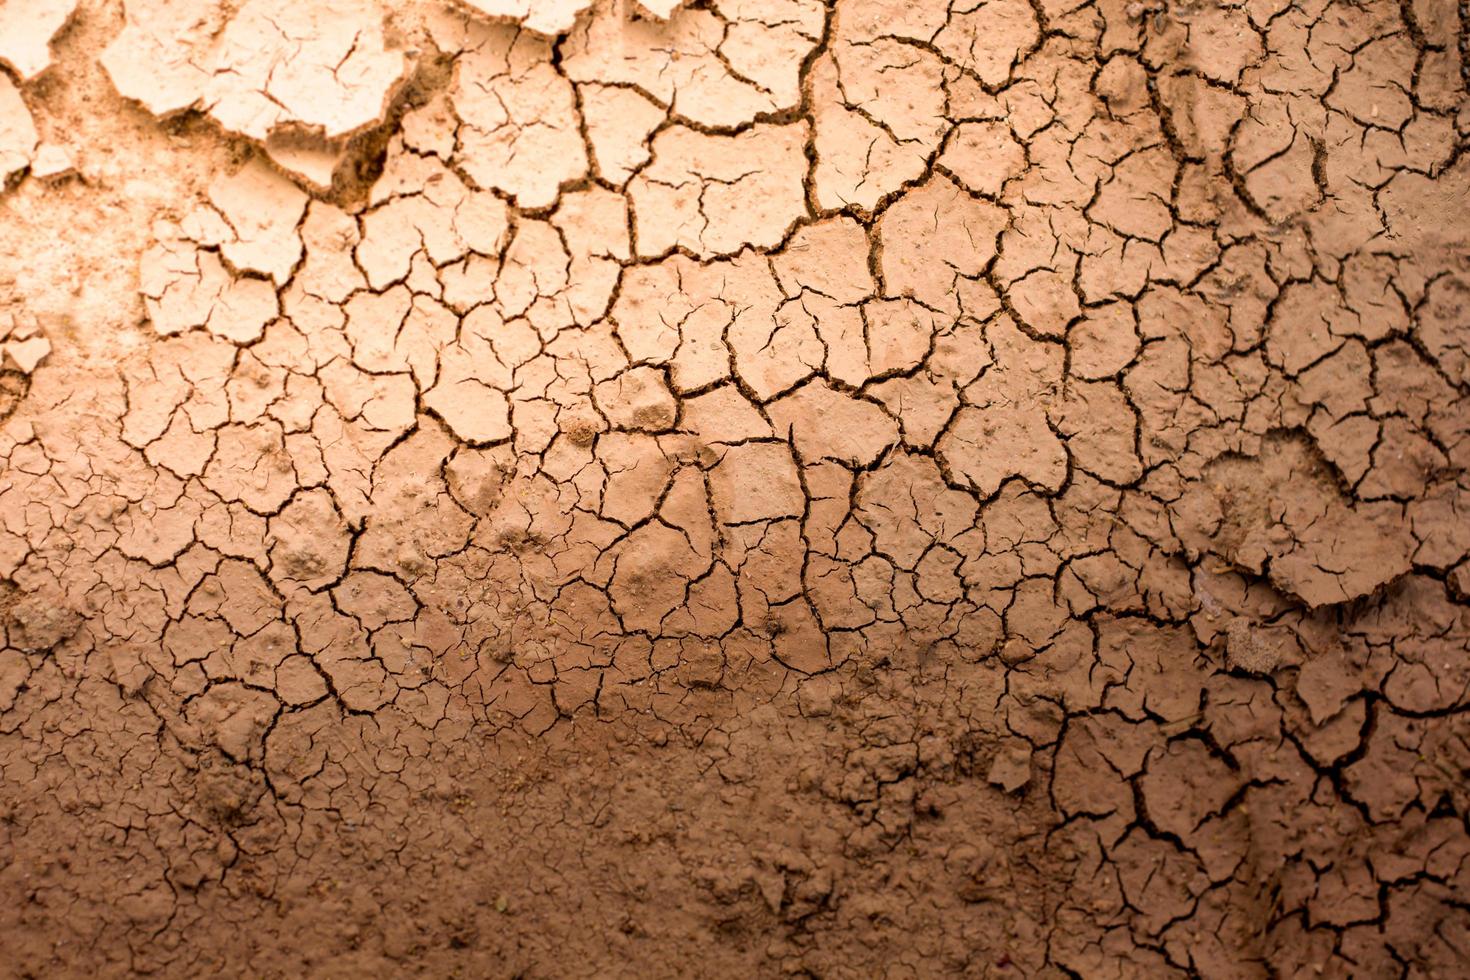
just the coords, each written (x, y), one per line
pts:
(550, 488)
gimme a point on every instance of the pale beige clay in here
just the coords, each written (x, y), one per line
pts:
(26, 30)
(18, 138)
(549, 17)
(269, 70)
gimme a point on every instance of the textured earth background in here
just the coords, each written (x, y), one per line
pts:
(735, 489)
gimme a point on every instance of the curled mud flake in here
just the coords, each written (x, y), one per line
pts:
(282, 64)
(18, 137)
(299, 78)
(155, 58)
(659, 9)
(52, 162)
(548, 17)
(23, 344)
(721, 67)
(26, 30)
(1011, 767)
(263, 210)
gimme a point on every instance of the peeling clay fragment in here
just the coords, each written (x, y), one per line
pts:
(548, 17)
(659, 9)
(1011, 768)
(26, 355)
(26, 30)
(1280, 514)
(18, 137)
(723, 66)
(52, 161)
(263, 210)
(22, 343)
(269, 70)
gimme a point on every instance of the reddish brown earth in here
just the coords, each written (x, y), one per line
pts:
(735, 489)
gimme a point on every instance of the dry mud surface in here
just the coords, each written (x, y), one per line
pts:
(735, 489)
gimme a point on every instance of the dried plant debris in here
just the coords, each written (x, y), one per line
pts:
(795, 488)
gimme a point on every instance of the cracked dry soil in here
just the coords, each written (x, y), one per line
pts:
(737, 488)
